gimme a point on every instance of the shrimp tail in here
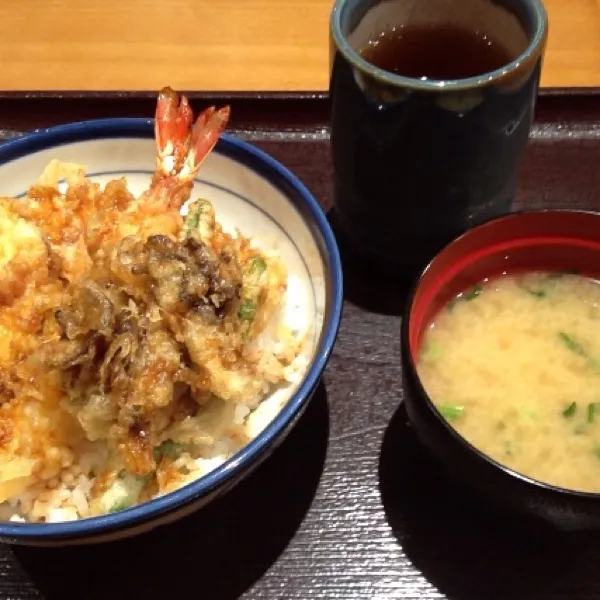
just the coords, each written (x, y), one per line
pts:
(182, 147)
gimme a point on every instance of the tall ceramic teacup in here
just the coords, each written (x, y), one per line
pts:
(420, 158)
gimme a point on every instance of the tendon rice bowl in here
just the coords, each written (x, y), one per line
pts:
(142, 344)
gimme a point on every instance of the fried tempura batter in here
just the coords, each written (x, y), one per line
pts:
(123, 323)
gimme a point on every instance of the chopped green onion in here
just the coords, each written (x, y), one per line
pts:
(597, 451)
(591, 411)
(120, 505)
(451, 412)
(247, 310)
(473, 293)
(575, 347)
(531, 412)
(536, 293)
(571, 344)
(258, 266)
(192, 221)
(570, 410)
(122, 493)
(431, 352)
(167, 449)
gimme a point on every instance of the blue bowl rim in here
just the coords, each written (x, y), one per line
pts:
(285, 181)
(535, 45)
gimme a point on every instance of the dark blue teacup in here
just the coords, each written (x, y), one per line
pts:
(417, 161)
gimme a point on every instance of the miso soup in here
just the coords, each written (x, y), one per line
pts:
(513, 364)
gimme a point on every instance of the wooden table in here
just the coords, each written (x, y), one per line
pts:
(225, 45)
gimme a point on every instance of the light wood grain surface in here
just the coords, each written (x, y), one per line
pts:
(223, 45)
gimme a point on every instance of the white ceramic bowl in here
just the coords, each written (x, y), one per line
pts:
(250, 191)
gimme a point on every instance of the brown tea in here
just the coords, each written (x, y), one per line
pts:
(438, 52)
